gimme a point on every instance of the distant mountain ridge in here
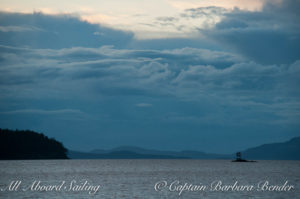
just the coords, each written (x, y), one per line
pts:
(275, 151)
(120, 155)
(186, 153)
(289, 150)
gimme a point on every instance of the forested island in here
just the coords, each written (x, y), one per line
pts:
(26, 144)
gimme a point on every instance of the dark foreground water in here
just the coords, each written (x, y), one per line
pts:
(148, 179)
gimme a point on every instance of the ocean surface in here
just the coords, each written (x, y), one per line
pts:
(146, 179)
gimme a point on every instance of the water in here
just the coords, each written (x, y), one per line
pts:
(137, 178)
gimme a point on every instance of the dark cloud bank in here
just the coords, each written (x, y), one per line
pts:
(94, 87)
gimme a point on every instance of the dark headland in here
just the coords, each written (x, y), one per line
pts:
(29, 145)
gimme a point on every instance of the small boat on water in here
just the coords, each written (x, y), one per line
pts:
(240, 159)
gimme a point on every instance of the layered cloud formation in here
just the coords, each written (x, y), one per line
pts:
(236, 80)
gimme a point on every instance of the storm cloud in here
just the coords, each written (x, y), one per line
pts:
(56, 31)
(270, 36)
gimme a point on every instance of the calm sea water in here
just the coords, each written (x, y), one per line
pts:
(147, 179)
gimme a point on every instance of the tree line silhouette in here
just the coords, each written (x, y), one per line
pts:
(26, 144)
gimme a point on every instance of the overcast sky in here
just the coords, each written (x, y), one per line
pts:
(216, 76)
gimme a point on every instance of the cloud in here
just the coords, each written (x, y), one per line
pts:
(143, 105)
(192, 88)
(268, 36)
(228, 4)
(212, 78)
(167, 19)
(43, 112)
(56, 31)
(19, 28)
(207, 12)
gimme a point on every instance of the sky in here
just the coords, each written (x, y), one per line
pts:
(215, 76)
